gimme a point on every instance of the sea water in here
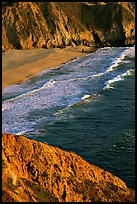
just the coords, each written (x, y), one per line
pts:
(86, 106)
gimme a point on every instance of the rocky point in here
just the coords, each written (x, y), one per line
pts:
(37, 172)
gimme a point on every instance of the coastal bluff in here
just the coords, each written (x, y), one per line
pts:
(27, 25)
(37, 172)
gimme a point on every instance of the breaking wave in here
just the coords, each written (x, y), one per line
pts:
(118, 59)
(119, 77)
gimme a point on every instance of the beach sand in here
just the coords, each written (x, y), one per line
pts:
(19, 65)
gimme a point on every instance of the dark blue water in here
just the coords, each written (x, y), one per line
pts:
(86, 106)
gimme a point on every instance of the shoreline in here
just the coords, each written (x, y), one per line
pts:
(20, 65)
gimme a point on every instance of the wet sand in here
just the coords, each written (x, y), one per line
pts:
(19, 65)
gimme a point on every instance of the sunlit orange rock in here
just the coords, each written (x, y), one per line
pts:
(37, 172)
(27, 25)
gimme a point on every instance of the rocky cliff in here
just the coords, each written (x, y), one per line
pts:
(28, 25)
(37, 172)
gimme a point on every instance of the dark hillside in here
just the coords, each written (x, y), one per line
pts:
(28, 25)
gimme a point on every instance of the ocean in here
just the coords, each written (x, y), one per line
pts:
(86, 106)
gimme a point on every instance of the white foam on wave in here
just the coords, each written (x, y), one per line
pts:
(114, 64)
(88, 77)
(85, 97)
(109, 86)
(10, 103)
(116, 61)
(6, 106)
(21, 132)
(61, 111)
(128, 52)
(119, 77)
(88, 98)
(24, 131)
(47, 85)
(97, 75)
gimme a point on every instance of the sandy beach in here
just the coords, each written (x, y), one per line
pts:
(19, 65)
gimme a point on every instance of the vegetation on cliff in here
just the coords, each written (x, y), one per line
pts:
(28, 25)
(37, 172)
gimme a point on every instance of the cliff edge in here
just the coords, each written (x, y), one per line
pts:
(37, 172)
(27, 25)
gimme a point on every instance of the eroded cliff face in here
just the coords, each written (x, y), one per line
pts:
(28, 25)
(37, 172)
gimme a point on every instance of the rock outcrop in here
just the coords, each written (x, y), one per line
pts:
(37, 172)
(28, 25)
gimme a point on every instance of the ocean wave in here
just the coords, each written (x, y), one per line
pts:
(128, 52)
(5, 106)
(120, 77)
(116, 61)
(89, 77)
(88, 98)
(84, 99)
(24, 131)
(52, 82)
(48, 84)
(21, 132)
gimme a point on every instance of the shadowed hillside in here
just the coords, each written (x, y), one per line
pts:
(28, 25)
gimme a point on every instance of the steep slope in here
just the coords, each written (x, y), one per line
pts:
(37, 172)
(28, 25)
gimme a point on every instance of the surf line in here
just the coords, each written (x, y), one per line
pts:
(119, 77)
